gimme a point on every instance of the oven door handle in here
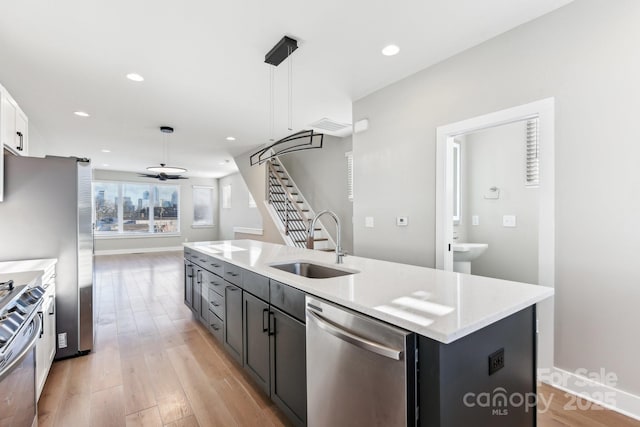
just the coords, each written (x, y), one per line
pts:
(23, 352)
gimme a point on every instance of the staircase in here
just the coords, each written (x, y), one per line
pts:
(290, 211)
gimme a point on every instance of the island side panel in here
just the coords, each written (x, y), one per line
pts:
(456, 388)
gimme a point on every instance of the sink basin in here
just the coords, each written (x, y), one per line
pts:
(310, 270)
(465, 252)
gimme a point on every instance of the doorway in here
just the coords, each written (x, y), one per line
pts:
(448, 167)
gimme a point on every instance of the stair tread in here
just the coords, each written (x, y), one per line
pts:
(321, 239)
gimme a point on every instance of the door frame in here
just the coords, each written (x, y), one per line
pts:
(545, 110)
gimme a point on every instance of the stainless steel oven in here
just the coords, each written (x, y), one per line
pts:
(20, 328)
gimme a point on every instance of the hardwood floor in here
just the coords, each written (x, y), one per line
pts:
(154, 365)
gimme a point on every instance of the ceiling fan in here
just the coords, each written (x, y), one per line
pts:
(163, 176)
(164, 172)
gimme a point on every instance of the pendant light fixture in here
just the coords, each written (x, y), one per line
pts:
(164, 172)
(303, 140)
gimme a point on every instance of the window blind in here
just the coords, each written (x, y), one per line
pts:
(533, 151)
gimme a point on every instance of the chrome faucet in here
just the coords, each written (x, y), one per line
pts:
(339, 253)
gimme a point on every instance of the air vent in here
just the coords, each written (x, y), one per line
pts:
(332, 127)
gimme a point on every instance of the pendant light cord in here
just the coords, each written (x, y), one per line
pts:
(290, 51)
(272, 104)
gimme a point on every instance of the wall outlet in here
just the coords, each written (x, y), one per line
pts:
(496, 361)
(475, 220)
(402, 221)
(509, 221)
(62, 340)
(368, 222)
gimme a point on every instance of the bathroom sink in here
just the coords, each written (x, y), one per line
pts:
(465, 252)
(310, 270)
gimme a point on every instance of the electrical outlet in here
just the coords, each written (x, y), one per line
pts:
(509, 221)
(62, 340)
(368, 222)
(475, 220)
(402, 221)
(496, 361)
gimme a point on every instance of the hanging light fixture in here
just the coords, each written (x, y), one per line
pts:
(164, 172)
(303, 140)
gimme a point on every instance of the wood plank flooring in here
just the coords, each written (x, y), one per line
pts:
(154, 365)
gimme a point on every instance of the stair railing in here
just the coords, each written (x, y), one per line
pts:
(289, 200)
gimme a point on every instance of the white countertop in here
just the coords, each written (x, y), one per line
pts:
(441, 305)
(27, 265)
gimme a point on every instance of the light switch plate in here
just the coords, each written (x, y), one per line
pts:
(368, 221)
(402, 221)
(509, 221)
(475, 220)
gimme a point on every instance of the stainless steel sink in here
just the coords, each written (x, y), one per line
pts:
(310, 270)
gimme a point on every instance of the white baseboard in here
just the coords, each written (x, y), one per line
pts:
(138, 250)
(247, 230)
(604, 395)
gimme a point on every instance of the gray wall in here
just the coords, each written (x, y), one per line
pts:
(584, 55)
(496, 157)
(255, 180)
(321, 177)
(187, 233)
(239, 214)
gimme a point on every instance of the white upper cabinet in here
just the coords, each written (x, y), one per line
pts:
(14, 126)
(14, 131)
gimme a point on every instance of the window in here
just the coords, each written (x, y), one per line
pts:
(349, 157)
(203, 206)
(226, 197)
(533, 151)
(131, 208)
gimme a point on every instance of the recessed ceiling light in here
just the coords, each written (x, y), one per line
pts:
(135, 77)
(81, 114)
(104, 150)
(390, 50)
(230, 138)
(105, 164)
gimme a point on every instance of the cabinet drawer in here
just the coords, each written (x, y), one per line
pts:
(201, 259)
(216, 266)
(216, 326)
(233, 274)
(216, 284)
(287, 299)
(256, 284)
(188, 254)
(216, 303)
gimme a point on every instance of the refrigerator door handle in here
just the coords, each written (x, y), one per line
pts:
(352, 338)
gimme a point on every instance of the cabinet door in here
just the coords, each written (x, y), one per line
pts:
(188, 284)
(256, 340)
(197, 294)
(233, 321)
(8, 121)
(288, 365)
(50, 330)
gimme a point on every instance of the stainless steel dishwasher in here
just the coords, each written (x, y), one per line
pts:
(360, 371)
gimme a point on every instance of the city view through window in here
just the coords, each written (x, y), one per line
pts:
(127, 207)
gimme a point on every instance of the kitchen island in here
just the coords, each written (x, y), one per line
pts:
(474, 335)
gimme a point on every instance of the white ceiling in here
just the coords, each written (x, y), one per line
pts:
(204, 72)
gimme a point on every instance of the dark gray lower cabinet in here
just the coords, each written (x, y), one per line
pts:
(233, 321)
(288, 365)
(188, 284)
(256, 340)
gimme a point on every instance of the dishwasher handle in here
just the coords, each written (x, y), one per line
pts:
(352, 338)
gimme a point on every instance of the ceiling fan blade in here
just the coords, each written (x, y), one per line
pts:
(176, 177)
(147, 175)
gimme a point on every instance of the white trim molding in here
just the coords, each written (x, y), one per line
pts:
(604, 395)
(248, 230)
(138, 250)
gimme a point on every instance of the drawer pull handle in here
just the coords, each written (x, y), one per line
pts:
(232, 288)
(232, 274)
(215, 265)
(215, 304)
(215, 284)
(215, 327)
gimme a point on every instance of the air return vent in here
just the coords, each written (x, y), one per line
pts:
(332, 127)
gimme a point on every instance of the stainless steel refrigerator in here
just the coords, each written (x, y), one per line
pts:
(46, 213)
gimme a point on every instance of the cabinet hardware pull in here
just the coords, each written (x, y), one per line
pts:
(20, 147)
(215, 265)
(265, 328)
(215, 327)
(231, 288)
(53, 305)
(41, 315)
(215, 304)
(272, 316)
